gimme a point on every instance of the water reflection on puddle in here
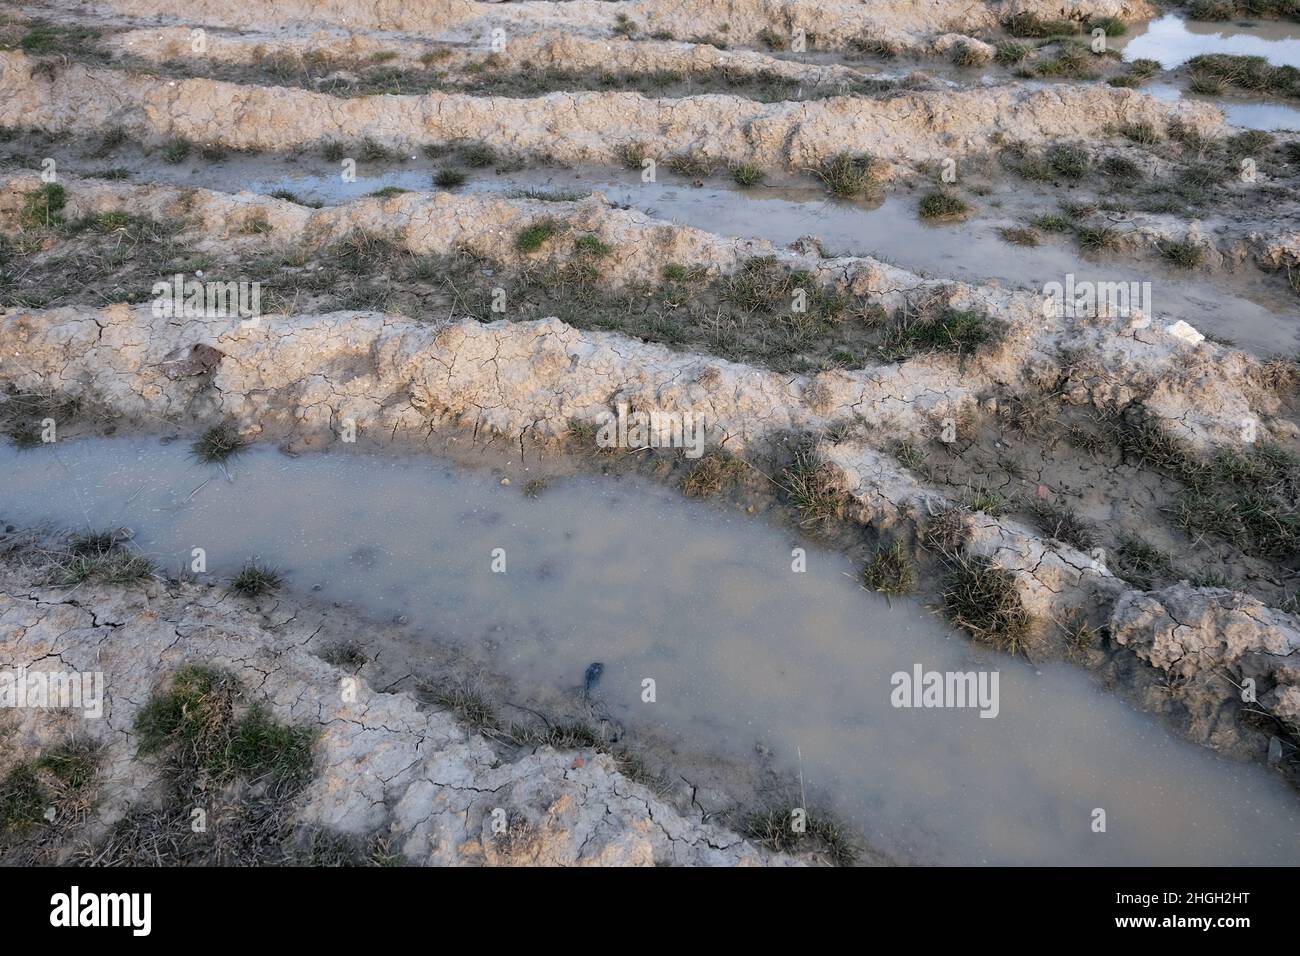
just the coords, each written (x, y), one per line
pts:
(1173, 41)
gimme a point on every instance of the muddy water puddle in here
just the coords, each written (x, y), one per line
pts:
(744, 651)
(1173, 41)
(1268, 115)
(1246, 307)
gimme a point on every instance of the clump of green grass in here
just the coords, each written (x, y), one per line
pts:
(677, 272)
(952, 330)
(22, 800)
(255, 580)
(534, 487)
(113, 138)
(812, 485)
(1031, 166)
(1011, 52)
(1183, 253)
(712, 473)
(909, 456)
(47, 38)
(549, 195)
(1199, 176)
(777, 829)
(692, 165)
(941, 205)
(1251, 73)
(987, 500)
(890, 571)
(591, 245)
(1111, 26)
(32, 786)
(121, 568)
(848, 176)
(632, 155)
(1144, 68)
(945, 532)
(1054, 222)
(875, 46)
(1140, 561)
(176, 149)
(1121, 167)
(1080, 637)
(1204, 84)
(25, 435)
(71, 765)
(333, 150)
(580, 736)
(115, 220)
(764, 286)
(1087, 441)
(531, 238)
(99, 557)
(44, 206)
(1068, 161)
(772, 39)
(1073, 61)
(1250, 498)
(361, 252)
(1231, 9)
(217, 444)
(477, 155)
(373, 151)
(983, 599)
(1097, 238)
(469, 705)
(1212, 9)
(746, 175)
(580, 431)
(196, 721)
(1250, 142)
(1019, 236)
(1033, 27)
(1064, 525)
(623, 25)
(345, 654)
(449, 178)
(968, 55)
(387, 192)
(1151, 444)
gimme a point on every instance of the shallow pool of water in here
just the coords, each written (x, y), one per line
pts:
(744, 651)
(1173, 41)
(1267, 115)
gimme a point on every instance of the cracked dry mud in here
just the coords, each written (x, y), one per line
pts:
(1130, 474)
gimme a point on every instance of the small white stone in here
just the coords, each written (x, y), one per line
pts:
(1181, 330)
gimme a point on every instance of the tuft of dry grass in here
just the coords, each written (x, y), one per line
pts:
(984, 600)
